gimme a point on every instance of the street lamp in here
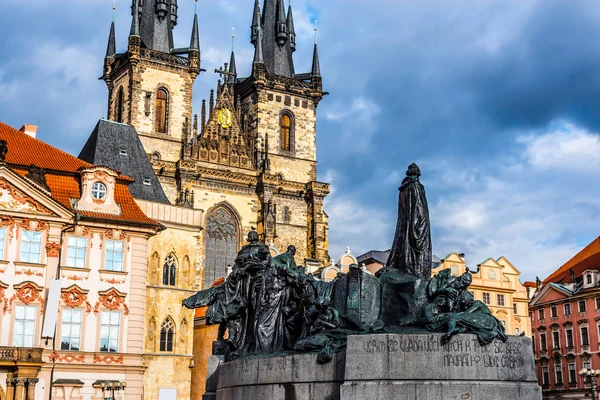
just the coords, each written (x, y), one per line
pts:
(590, 376)
(109, 388)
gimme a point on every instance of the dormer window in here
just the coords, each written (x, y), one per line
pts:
(98, 185)
(123, 152)
(98, 190)
(588, 279)
(146, 181)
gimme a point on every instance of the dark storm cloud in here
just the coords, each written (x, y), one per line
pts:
(473, 91)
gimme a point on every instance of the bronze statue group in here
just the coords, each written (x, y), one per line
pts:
(269, 305)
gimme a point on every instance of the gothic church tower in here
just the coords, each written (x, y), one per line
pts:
(250, 160)
(150, 86)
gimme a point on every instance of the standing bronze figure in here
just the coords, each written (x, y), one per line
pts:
(411, 251)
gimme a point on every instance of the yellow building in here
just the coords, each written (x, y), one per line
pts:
(496, 283)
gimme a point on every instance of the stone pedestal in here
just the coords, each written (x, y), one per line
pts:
(390, 366)
(418, 367)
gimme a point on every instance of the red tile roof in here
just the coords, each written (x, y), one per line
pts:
(62, 175)
(588, 258)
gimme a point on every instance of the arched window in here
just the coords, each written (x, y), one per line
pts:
(221, 245)
(161, 110)
(286, 132)
(169, 270)
(167, 335)
(156, 156)
(120, 104)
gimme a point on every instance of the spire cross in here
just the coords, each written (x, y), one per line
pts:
(232, 38)
(316, 31)
(114, 7)
(224, 72)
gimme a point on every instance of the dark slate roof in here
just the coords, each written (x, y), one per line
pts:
(105, 147)
(375, 255)
(278, 59)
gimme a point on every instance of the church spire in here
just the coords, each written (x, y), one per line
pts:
(255, 23)
(316, 66)
(276, 44)
(156, 21)
(195, 41)
(232, 68)
(135, 20)
(258, 47)
(290, 27)
(282, 31)
(111, 49)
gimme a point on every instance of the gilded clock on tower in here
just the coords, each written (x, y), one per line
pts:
(225, 117)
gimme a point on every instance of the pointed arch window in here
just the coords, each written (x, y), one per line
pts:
(167, 335)
(169, 270)
(222, 240)
(120, 104)
(286, 132)
(161, 110)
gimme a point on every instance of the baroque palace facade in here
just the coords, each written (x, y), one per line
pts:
(73, 265)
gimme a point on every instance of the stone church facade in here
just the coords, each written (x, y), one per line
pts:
(247, 162)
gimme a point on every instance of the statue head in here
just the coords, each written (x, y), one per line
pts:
(253, 237)
(413, 171)
(466, 279)
(292, 250)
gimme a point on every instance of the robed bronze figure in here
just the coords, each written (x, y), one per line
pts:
(411, 251)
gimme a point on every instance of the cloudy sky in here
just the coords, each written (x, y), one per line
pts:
(497, 101)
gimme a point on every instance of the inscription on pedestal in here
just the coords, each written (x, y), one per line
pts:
(461, 352)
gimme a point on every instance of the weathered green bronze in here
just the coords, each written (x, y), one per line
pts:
(269, 305)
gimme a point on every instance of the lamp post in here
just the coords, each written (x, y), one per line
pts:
(109, 388)
(590, 376)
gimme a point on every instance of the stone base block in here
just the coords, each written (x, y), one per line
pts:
(443, 390)
(390, 367)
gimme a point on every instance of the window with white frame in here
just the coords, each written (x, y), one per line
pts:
(597, 303)
(558, 374)
(2, 242)
(556, 340)
(541, 313)
(543, 342)
(70, 331)
(486, 298)
(500, 299)
(110, 322)
(517, 331)
(31, 246)
(569, 337)
(76, 250)
(568, 309)
(553, 312)
(24, 326)
(114, 255)
(572, 373)
(545, 377)
(454, 270)
(587, 365)
(582, 306)
(585, 338)
(492, 274)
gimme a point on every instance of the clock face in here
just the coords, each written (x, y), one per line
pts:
(225, 117)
